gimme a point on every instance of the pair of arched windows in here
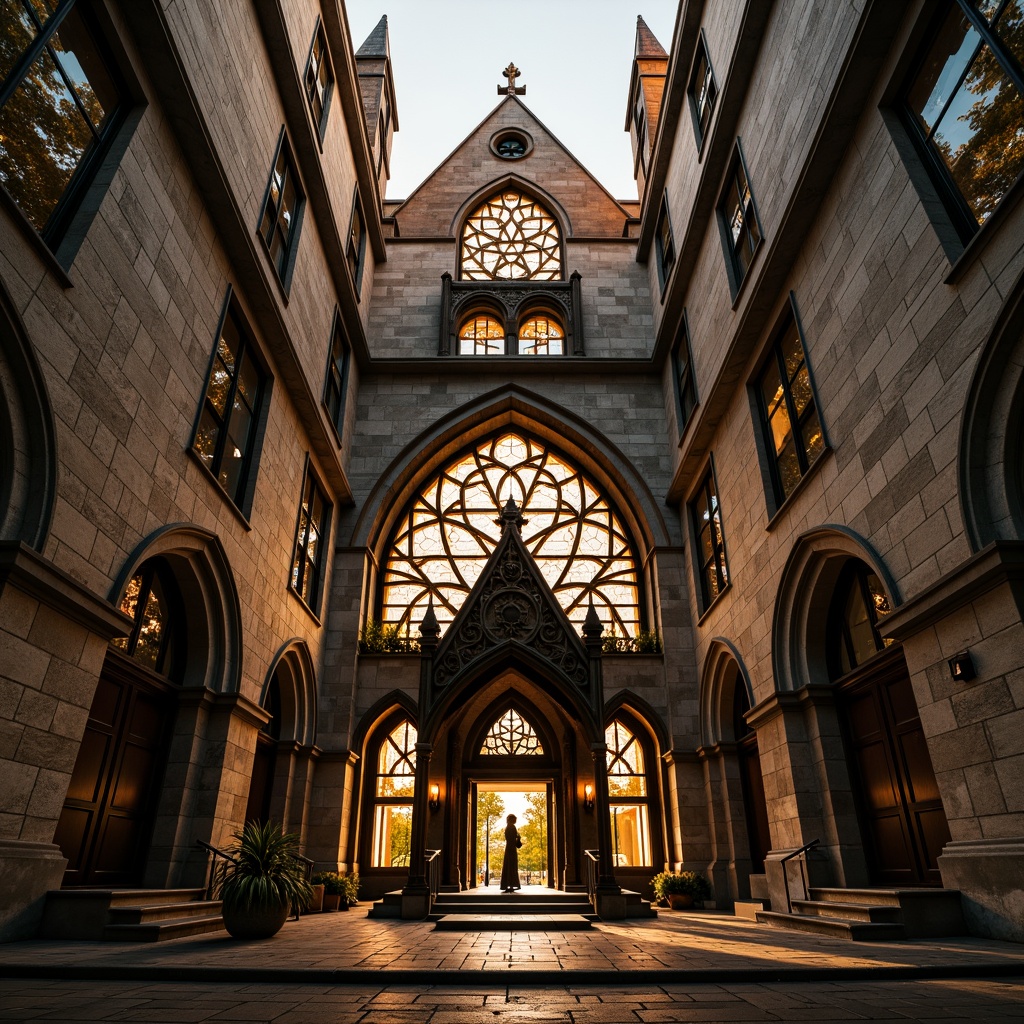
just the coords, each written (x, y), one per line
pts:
(537, 335)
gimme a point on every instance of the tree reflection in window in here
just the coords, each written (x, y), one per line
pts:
(147, 602)
(541, 336)
(58, 103)
(512, 736)
(859, 605)
(442, 542)
(392, 818)
(511, 237)
(627, 796)
(482, 336)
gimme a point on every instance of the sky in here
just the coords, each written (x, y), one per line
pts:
(575, 57)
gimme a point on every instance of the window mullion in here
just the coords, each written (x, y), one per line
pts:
(31, 54)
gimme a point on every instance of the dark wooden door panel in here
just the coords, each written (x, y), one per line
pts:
(755, 806)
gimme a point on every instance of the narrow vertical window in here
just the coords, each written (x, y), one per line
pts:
(628, 797)
(336, 383)
(640, 127)
(356, 249)
(707, 529)
(279, 222)
(664, 245)
(738, 215)
(310, 537)
(964, 105)
(319, 80)
(686, 390)
(227, 433)
(61, 101)
(789, 418)
(703, 92)
(392, 797)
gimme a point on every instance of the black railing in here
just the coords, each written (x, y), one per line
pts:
(591, 870)
(803, 870)
(216, 864)
(433, 864)
(307, 870)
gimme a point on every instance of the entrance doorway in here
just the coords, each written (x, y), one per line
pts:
(491, 803)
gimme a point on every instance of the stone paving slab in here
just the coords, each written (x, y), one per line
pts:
(334, 948)
(941, 1002)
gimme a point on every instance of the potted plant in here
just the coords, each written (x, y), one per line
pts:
(350, 893)
(316, 901)
(334, 887)
(681, 889)
(262, 882)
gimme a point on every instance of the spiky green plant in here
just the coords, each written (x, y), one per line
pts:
(265, 872)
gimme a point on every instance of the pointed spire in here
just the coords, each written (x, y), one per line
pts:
(647, 44)
(377, 43)
(511, 516)
(430, 630)
(593, 627)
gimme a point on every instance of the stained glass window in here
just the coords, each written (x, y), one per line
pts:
(512, 736)
(511, 237)
(442, 542)
(627, 797)
(392, 812)
(541, 336)
(482, 336)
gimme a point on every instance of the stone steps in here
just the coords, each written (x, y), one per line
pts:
(517, 922)
(856, 931)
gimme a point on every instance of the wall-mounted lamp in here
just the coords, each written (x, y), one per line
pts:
(588, 797)
(435, 796)
(961, 667)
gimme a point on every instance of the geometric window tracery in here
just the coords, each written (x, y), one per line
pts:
(627, 797)
(482, 336)
(510, 237)
(392, 797)
(512, 736)
(442, 542)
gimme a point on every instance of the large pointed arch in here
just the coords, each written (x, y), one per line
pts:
(296, 679)
(519, 184)
(716, 690)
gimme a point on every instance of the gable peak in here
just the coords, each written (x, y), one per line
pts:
(377, 43)
(647, 44)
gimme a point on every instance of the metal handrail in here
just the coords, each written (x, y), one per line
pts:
(307, 865)
(213, 874)
(803, 872)
(433, 865)
(591, 870)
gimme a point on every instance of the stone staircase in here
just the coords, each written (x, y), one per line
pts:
(129, 915)
(873, 915)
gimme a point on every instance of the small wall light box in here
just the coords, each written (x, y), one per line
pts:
(435, 796)
(961, 667)
(588, 797)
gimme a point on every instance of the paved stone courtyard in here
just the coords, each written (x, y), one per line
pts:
(342, 968)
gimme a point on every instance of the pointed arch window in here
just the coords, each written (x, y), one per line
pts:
(858, 607)
(442, 542)
(392, 797)
(151, 602)
(541, 336)
(481, 336)
(628, 794)
(512, 736)
(511, 237)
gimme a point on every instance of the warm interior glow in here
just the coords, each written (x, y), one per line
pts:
(511, 735)
(511, 237)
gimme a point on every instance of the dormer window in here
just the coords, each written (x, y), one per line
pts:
(511, 237)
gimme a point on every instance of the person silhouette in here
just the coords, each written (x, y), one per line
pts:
(510, 866)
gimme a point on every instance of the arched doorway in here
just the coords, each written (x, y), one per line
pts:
(257, 807)
(901, 815)
(755, 808)
(105, 824)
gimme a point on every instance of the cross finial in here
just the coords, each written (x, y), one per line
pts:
(511, 73)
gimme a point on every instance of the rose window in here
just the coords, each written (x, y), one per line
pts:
(442, 542)
(511, 237)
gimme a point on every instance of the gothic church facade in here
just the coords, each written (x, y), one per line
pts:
(700, 514)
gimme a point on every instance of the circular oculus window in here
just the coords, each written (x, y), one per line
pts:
(511, 145)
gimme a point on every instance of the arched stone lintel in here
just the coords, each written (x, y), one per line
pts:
(369, 720)
(722, 654)
(297, 680)
(802, 601)
(213, 619)
(640, 709)
(516, 408)
(518, 701)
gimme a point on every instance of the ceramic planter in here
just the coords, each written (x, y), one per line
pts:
(331, 901)
(316, 904)
(679, 900)
(255, 922)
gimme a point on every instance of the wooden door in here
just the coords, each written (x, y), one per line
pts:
(901, 813)
(754, 805)
(261, 785)
(105, 824)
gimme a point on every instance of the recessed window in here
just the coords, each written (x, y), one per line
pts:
(152, 602)
(859, 604)
(789, 417)
(703, 92)
(60, 103)
(712, 571)
(336, 382)
(392, 797)
(355, 251)
(686, 390)
(279, 222)
(512, 736)
(481, 336)
(965, 105)
(628, 796)
(511, 144)
(640, 130)
(511, 237)
(319, 80)
(665, 249)
(541, 336)
(310, 542)
(738, 215)
(228, 420)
